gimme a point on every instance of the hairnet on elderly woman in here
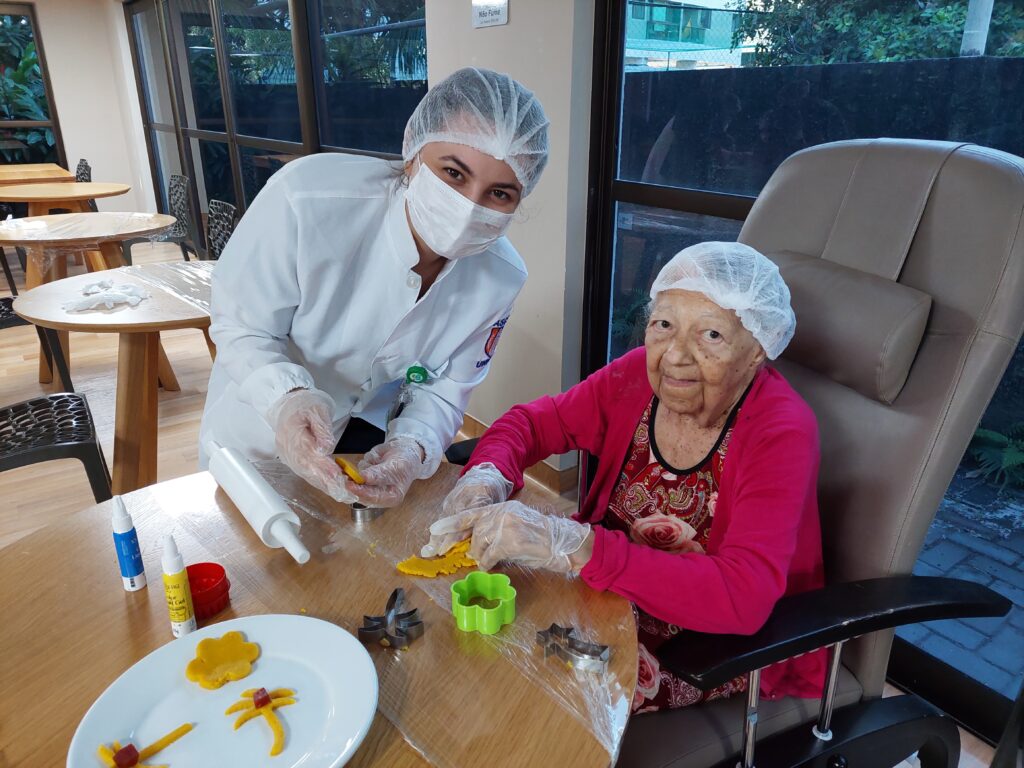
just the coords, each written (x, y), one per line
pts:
(704, 510)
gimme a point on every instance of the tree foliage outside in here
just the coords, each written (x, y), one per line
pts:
(22, 90)
(794, 32)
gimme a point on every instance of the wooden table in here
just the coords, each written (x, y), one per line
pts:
(69, 630)
(97, 236)
(179, 298)
(33, 173)
(72, 196)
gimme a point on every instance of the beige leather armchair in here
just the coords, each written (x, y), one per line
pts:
(905, 260)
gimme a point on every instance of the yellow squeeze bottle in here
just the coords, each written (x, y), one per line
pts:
(179, 598)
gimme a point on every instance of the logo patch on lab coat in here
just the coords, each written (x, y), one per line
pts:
(492, 342)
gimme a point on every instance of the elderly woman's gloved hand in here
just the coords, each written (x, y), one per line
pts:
(516, 533)
(481, 486)
(389, 470)
(301, 420)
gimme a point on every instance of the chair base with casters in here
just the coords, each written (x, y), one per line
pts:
(54, 427)
(846, 730)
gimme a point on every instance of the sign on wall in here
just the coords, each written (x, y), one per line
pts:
(489, 13)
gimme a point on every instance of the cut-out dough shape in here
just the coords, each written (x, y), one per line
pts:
(457, 557)
(127, 756)
(222, 659)
(256, 702)
(349, 469)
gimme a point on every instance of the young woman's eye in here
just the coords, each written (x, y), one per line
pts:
(501, 195)
(453, 173)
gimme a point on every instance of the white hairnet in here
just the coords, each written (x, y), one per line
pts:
(488, 111)
(736, 277)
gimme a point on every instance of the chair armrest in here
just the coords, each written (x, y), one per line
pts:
(810, 620)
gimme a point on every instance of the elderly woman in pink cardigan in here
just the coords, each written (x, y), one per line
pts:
(703, 511)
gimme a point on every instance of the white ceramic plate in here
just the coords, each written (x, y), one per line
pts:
(331, 673)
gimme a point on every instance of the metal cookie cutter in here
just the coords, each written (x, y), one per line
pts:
(395, 629)
(560, 641)
(364, 514)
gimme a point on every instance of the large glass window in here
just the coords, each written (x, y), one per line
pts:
(373, 62)
(192, 24)
(261, 64)
(250, 87)
(710, 97)
(156, 85)
(28, 123)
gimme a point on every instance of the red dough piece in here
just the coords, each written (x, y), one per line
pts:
(126, 756)
(261, 698)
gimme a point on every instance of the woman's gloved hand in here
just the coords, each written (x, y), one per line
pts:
(305, 443)
(389, 470)
(481, 486)
(516, 533)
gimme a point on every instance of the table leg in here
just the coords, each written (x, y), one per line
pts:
(35, 276)
(135, 420)
(210, 345)
(165, 373)
(111, 255)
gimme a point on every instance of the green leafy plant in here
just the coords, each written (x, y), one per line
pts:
(790, 32)
(1000, 456)
(629, 318)
(22, 91)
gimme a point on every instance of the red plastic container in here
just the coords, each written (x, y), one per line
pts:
(210, 589)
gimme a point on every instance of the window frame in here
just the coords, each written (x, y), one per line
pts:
(305, 37)
(29, 9)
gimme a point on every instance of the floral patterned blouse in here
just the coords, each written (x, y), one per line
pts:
(659, 506)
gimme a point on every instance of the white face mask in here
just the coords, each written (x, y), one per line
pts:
(451, 225)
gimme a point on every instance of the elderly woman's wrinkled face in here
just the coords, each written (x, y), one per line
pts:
(700, 358)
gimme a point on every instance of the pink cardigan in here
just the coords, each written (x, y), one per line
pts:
(765, 539)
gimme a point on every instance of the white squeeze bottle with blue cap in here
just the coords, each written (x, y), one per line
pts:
(129, 557)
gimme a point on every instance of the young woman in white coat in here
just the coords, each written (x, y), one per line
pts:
(358, 304)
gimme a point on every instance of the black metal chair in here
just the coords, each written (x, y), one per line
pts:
(219, 226)
(84, 173)
(54, 427)
(49, 341)
(181, 232)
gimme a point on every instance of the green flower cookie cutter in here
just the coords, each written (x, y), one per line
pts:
(478, 586)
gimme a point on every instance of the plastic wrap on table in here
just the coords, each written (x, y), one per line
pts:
(80, 231)
(447, 723)
(189, 281)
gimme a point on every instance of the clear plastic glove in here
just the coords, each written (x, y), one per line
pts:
(516, 533)
(305, 442)
(481, 486)
(389, 470)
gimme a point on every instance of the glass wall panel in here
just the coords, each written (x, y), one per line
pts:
(192, 29)
(216, 181)
(156, 87)
(258, 165)
(168, 161)
(374, 72)
(262, 68)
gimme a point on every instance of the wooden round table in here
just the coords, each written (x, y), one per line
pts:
(34, 173)
(72, 196)
(67, 637)
(96, 235)
(139, 353)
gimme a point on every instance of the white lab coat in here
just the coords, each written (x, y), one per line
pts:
(315, 289)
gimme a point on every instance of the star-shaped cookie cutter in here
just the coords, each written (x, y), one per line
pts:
(561, 642)
(396, 628)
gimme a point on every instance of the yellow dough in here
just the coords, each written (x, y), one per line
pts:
(349, 470)
(222, 659)
(457, 557)
(279, 697)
